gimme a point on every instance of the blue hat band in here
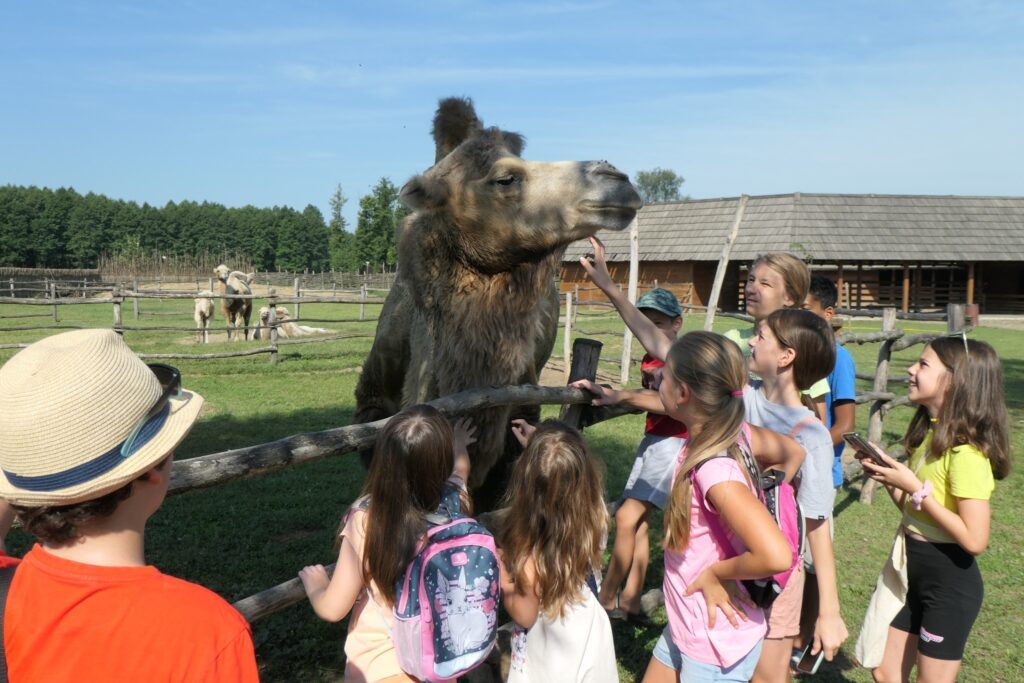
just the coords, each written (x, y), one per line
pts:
(98, 466)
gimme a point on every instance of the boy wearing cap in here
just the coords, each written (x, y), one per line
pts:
(650, 480)
(90, 432)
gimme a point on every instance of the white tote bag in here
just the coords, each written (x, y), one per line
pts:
(887, 600)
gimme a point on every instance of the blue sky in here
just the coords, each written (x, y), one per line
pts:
(277, 103)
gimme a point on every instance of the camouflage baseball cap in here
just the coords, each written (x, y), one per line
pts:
(661, 300)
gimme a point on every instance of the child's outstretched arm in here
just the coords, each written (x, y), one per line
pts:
(333, 597)
(656, 343)
(641, 399)
(464, 437)
(767, 551)
(522, 430)
(772, 448)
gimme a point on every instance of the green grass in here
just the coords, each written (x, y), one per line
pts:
(247, 535)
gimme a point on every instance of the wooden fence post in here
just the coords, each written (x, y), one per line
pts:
(362, 301)
(12, 287)
(585, 355)
(723, 264)
(118, 323)
(135, 301)
(210, 281)
(875, 415)
(298, 293)
(956, 317)
(53, 298)
(272, 324)
(576, 302)
(567, 336)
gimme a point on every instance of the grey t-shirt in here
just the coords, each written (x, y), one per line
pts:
(814, 489)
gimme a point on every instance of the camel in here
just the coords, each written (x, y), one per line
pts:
(475, 301)
(235, 311)
(203, 313)
(286, 329)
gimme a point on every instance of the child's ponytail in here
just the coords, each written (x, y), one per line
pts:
(712, 368)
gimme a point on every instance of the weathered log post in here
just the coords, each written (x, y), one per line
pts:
(362, 301)
(53, 298)
(12, 287)
(298, 293)
(135, 301)
(876, 414)
(272, 324)
(956, 317)
(585, 355)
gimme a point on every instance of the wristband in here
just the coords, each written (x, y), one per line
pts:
(917, 499)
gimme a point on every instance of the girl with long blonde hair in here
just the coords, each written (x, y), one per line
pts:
(714, 634)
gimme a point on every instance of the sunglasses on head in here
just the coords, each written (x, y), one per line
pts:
(170, 383)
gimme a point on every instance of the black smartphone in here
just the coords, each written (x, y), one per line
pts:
(861, 445)
(809, 663)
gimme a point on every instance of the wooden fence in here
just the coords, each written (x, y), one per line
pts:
(227, 466)
(118, 295)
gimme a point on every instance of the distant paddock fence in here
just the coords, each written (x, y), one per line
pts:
(54, 294)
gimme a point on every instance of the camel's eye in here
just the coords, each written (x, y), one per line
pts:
(507, 180)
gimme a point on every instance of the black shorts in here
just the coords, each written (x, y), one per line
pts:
(943, 599)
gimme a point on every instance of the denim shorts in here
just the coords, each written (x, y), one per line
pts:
(692, 671)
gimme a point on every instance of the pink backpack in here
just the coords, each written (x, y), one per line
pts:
(780, 499)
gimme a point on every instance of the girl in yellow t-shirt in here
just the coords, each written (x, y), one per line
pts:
(959, 444)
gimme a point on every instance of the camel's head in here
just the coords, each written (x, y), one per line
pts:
(222, 272)
(503, 210)
(281, 314)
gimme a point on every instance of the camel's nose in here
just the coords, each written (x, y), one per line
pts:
(603, 168)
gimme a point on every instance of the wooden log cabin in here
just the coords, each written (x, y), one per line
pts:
(914, 252)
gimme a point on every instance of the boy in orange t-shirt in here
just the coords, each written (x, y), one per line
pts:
(89, 435)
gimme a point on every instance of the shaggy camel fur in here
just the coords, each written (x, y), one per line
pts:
(202, 315)
(235, 311)
(286, 329)
(475, 301)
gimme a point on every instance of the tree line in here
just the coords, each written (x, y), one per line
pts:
(44, 228)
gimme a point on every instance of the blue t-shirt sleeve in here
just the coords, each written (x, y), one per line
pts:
(843, 380)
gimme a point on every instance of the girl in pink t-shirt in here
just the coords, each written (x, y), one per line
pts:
(712, 633)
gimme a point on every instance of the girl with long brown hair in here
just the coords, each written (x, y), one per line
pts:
(551, 531)
(418, 460)
(958, 444)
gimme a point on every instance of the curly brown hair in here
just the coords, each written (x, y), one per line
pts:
(59, 524)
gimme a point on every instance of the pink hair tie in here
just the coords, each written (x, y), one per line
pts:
(738, 392)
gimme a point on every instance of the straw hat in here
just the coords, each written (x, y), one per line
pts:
(67, 404)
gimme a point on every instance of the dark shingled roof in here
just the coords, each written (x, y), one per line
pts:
(828, 227)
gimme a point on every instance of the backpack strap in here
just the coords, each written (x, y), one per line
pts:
(6, 576)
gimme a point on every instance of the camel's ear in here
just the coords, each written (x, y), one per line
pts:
(514, 142)
(454, 122)
(423, 194)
